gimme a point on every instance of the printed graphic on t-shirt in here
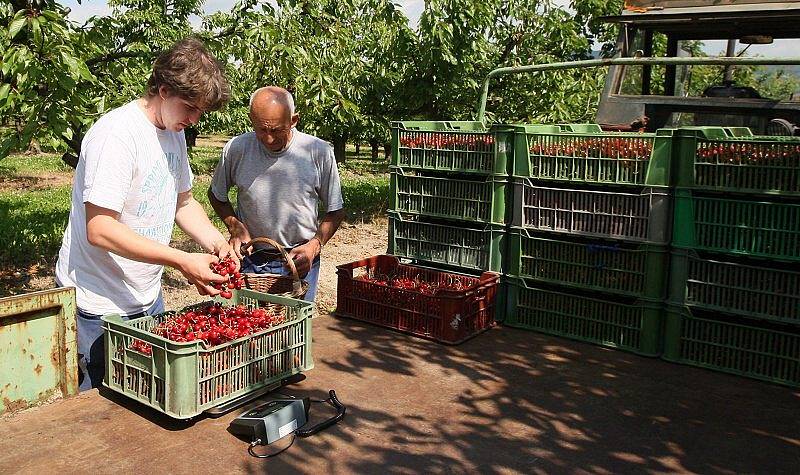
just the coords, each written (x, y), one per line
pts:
(158, 198)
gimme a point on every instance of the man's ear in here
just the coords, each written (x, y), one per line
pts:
(295, 119)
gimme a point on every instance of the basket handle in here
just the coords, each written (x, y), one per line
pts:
(297, 287)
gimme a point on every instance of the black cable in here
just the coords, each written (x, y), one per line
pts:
(266, 456)
(341, 410)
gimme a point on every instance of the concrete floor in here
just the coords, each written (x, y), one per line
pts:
(508, 401)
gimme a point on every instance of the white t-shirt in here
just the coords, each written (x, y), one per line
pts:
(279, 192)
(130, 166)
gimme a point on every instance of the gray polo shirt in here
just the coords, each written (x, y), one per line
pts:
(279, 193)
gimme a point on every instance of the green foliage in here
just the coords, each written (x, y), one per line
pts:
(33, 224)
(203, 160)
(365, 186)
(19, 164)
(461, 41)
(343, 60)
(42, 68)
(354, 65)
(57, 77)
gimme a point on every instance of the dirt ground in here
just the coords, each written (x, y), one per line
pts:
(507, 401)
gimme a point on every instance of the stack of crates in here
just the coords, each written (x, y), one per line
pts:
(734, 300)
(588, 246)
(449, 194)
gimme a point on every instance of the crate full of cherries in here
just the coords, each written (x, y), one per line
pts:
(443, 306)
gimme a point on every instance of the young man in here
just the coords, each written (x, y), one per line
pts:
(281, 175)
(131, 185)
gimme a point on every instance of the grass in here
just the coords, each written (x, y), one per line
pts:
(34, 219)
(22, 164)
(34, 222)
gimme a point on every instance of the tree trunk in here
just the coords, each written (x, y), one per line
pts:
(71, 159)
(358, 148)
(387, 151)
(191, 134)
(339, 145)
(375, 146)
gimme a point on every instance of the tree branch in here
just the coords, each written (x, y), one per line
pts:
(116, 55)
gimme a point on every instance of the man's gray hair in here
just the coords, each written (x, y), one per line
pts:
(276, 93)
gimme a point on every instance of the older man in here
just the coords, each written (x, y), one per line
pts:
(282, 175)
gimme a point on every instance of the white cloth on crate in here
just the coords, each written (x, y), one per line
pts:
(132, 167)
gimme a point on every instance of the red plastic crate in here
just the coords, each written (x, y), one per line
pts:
(449, 316)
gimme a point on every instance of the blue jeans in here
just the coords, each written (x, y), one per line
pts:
(91, 345)
(254, 265)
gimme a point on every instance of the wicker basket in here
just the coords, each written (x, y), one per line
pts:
(275, 284)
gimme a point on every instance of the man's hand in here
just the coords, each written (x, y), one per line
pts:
(223, 249)
(196, 267)
(304, 255)
(239, 235)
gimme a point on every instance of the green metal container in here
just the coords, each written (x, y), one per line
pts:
(631, 325)
(481, 199)
(756, 228)
(583, 153)
(456, 244)
(765, 292)
(725, 159)
(633, 269)
(184, 379)
(38, 348)
(733, 345)
(463, 147)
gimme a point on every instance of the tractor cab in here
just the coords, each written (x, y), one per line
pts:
(651, 97)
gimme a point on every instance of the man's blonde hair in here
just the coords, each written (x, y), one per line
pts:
(191, 72)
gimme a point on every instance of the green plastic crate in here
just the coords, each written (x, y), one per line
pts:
(481, 199)
(736, 346)
(450, 243)
(184, 379)
(501, 300)
(638, 270)
(744, 227)
(638, 214)
(589, 155)
(714, 158)
(464, 147)
(632, 326)
(745, 289)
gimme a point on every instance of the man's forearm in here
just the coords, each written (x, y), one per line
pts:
(329, 224)
(225, 211)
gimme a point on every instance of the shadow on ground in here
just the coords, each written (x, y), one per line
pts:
(516, 400)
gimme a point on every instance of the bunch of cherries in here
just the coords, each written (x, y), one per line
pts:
(416, 284)
(607, 147)
(213, 324)
(737, 153)
(468, 142)
(227, 268)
